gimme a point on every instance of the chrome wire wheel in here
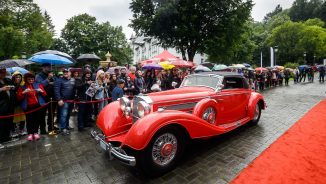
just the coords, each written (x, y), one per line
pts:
(209, 115)
(164, 149)
(257, 112)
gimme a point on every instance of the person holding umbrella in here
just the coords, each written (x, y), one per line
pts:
(321, 74)
(32, 94)
(47, 81)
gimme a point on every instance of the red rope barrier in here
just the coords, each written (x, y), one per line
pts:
(66, 101)
(92, 101)
(9, 116)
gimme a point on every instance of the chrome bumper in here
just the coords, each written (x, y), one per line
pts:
(114, 152)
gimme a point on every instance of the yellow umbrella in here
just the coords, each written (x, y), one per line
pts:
(166, 65)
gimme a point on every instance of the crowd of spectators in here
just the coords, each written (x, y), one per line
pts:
(44, 102)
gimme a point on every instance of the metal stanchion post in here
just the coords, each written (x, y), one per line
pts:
(53, 132)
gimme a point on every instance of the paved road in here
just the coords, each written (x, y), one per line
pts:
(74, 158)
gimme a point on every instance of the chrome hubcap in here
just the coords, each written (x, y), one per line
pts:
(164, 149)
(209, 115)
(256, 112)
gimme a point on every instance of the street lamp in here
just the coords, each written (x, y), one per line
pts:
(275, 51)
(314, 59)
(304, 55)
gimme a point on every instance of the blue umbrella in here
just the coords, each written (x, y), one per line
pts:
(14, 69)
(303, 67)
(50, 58)
(56, 53)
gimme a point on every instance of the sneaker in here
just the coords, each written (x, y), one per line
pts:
(70, 128)
(14, 135)
(2, 146)
(30, 137)
(37, 137)
(65, 132)
(22, 132)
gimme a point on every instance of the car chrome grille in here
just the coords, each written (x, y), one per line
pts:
(135, 116)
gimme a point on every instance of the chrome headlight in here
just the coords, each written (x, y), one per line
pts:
(143, 109)
(124, 103)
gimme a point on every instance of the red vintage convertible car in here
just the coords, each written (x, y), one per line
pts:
(152, 130)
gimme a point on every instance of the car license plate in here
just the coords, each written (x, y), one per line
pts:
(103, 145)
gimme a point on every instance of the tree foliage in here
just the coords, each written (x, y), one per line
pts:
(83, 34)
(303, 10)
(23, 28)
(295, 38)
(191, 26)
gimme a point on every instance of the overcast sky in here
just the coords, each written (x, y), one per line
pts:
(117, 11)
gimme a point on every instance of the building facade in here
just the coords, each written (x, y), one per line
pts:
(146, 47)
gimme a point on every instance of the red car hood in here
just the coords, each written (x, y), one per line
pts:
(181, 94)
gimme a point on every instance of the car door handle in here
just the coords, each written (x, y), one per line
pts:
(220, 100)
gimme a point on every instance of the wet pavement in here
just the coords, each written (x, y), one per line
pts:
(75, 158)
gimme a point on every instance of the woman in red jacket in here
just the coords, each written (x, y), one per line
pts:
(32, 97)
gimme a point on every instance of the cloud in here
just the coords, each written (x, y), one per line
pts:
(118, 14)
(262, 7)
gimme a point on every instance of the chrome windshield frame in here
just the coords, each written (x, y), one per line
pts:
(216, 88)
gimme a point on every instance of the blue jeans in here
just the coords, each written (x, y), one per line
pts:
(65, 111)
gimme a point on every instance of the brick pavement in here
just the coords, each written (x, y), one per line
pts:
(74, 158)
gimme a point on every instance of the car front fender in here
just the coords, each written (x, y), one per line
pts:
(253, 100)
(111, 120)
(145, 128)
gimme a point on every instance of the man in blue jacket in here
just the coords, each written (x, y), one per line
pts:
(64, 90)
(46, 79)
(118, 90)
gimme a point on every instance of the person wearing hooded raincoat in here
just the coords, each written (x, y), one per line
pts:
(18, 81)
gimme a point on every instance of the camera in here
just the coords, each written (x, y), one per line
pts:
(11, 86)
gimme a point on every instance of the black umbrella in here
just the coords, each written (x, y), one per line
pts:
(14, 63)
(87, 57)
(56, 53)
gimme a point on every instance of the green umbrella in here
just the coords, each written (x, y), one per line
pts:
(219, 67)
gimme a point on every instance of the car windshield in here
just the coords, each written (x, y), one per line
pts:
(211, 81)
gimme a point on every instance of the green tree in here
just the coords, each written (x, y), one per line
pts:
(191, 26)
(114, 40)
(322, 13)
(80, 34)
(60, 45)
(83, 34)
(295, 38)
(287, 37)
(240, 51)
(314, 22)
(303, 10)
(49, 24)
(27, 21)
(11, 42)
(313, 42)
